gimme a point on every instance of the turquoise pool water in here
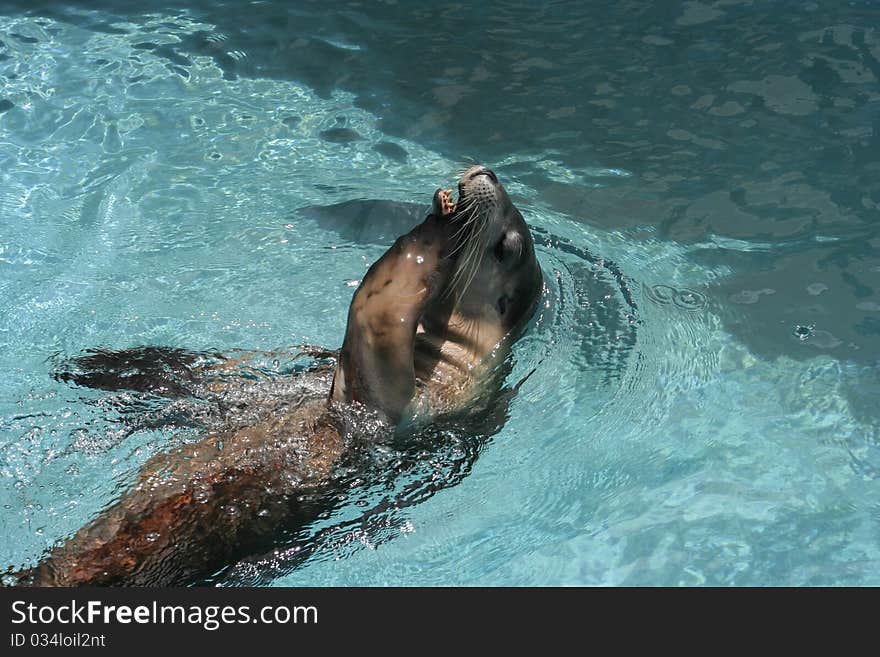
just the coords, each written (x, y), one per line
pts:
(703, 182)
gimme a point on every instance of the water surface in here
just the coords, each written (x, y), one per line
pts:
(702, 182)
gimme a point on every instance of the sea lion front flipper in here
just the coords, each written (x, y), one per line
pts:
(375, 364)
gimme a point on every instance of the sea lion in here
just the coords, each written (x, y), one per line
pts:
(427, 326)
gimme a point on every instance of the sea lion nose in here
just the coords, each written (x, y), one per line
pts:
(479, 170)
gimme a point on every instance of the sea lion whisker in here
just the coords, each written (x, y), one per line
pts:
(467, 222)
(469, 261)
(477, 245)
(473, 216)
(463, 206)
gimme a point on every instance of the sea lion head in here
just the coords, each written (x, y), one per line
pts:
(440, 302)
(496, 279)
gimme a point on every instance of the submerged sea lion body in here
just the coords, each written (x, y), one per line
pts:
(426, 328)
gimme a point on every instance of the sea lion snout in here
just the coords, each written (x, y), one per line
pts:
(479, 170)
(478, 191)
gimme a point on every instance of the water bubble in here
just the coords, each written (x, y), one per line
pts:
(684, 298)
(662, 294)
(803, 333)
(689, 299)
